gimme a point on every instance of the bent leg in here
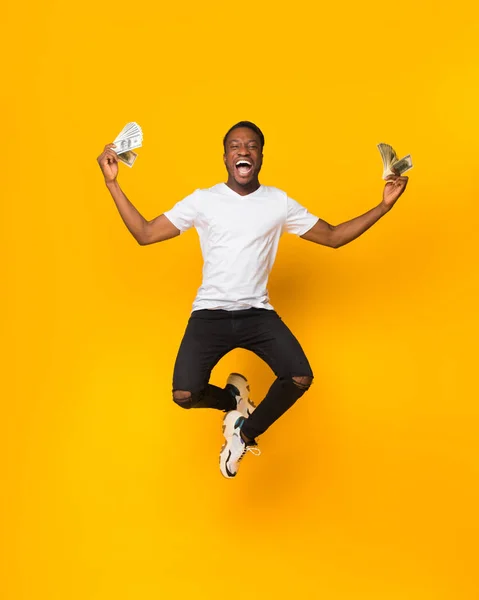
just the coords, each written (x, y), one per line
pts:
(205, 342)
(276, 345)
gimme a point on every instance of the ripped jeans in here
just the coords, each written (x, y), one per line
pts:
(210, 334)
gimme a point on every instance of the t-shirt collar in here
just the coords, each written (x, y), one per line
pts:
(227, 189)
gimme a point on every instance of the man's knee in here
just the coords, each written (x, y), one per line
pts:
(183, 398)
(303, 382)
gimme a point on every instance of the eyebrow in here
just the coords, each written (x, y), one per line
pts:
(238, 141)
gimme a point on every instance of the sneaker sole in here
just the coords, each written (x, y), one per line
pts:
(226, 435)
(242, 383)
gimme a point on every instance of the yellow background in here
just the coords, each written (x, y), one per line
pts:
(368, 488)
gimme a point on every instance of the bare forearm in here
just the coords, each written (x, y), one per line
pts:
(350, 230)
(134, 221)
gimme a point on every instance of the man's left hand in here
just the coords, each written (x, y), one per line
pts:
(395, 186)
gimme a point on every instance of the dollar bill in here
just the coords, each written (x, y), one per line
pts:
(128, 157)
(387, 153)
(403, 165)
(127, 143)
(129, 138)
(391, 164)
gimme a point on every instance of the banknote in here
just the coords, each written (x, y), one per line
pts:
(129, 138)
(391, 164)
(403, 165)
(124, 144)
(128, 157)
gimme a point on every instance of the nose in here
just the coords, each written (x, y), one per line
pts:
(244, 151)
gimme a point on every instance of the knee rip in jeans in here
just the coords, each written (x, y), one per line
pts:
(183, 399)
(303, 382)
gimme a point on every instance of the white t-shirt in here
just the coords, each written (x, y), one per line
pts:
(239, 238)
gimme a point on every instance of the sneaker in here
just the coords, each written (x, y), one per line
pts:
(235, 447)
(238, 386)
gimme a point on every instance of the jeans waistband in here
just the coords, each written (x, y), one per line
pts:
(219, 313)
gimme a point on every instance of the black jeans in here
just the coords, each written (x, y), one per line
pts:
(210, 334)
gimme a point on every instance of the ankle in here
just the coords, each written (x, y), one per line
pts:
(245, 438)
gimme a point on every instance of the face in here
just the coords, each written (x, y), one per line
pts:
(243, 155)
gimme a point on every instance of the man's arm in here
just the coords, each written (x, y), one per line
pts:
(145, 232)
(336, 236)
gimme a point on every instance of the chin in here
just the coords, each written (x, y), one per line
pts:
(244, 182)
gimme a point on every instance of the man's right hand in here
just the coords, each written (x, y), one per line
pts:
(108, 161)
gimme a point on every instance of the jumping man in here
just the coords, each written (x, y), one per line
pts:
(239, 224)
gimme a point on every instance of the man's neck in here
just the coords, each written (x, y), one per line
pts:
(243, 190)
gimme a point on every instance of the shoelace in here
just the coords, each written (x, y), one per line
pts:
(253, 449)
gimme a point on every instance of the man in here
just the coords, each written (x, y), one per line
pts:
(239, 225)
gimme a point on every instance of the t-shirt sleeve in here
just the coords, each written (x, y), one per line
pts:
(183, 214)
(298, 218)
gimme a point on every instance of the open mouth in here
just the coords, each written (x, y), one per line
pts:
(244, 168)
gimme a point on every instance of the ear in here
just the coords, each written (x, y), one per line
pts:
(224, 158)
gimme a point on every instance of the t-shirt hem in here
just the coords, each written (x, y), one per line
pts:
(172, 220)
(228, 308)
(307, 228)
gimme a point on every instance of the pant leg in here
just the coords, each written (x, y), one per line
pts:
(267, 336)
(207, 338)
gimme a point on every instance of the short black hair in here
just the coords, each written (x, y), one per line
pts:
(248, 124)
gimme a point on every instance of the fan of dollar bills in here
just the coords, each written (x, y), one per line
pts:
(129, 138)
(390, 161)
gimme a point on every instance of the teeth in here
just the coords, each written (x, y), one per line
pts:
(241, 163)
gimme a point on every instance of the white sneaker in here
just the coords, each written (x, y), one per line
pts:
(235, 447)
(238, 385)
